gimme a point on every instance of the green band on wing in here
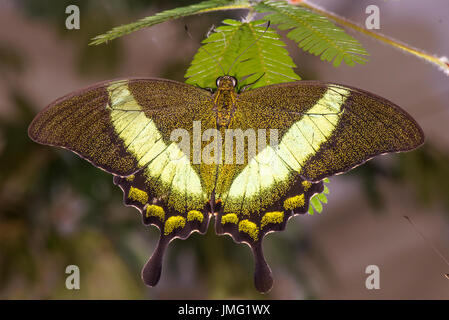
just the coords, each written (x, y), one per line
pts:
(166, 165)
(270, 172)
(315, 127)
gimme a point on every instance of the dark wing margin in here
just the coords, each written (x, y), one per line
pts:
(369, 126)
(81, 123)
(114, 125)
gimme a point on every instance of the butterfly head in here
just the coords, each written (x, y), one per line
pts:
(226, 83)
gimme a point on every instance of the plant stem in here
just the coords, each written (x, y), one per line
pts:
(250, 16)
(441, 62)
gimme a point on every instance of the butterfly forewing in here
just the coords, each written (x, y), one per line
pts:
(337, 128)
(322, 128)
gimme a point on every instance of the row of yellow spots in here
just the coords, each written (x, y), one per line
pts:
(250, 227)
(245, 226)
(173, 222)
(277, 217)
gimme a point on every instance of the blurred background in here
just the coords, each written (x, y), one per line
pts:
(57, 210)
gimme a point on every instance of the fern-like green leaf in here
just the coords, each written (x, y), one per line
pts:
(202, 7)
(314, 33)
(247, 50)
(316, 202)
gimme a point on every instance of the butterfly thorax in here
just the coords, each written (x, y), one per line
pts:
(224, 100)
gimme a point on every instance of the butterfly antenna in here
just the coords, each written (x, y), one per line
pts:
(246, 86)
(202, 48)
(247, 48)
(429, 243)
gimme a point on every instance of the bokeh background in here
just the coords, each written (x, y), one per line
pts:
(57, 210)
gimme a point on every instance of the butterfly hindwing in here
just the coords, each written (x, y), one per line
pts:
(322, 129)
(250, 228)
(137, 192)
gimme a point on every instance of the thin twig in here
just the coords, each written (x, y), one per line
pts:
(441, 62)
(429, 243)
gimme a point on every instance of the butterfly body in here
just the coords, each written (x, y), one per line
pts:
(251, 160)
(225, 100)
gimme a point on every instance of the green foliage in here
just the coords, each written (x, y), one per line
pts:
(314, 33)
(316, 202)
(247, 50)
(205, 6)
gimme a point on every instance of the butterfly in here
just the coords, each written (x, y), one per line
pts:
(133, 129)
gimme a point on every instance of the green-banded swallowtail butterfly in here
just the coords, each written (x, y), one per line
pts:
(126, 128)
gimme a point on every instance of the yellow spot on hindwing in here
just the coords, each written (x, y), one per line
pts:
(156, 211)
(249, 228)
(130, 178)
(229, 218)
(173, 223)
(272, 217)
(306, 185)
(138, 195)
(195, 215)
(294, 202)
